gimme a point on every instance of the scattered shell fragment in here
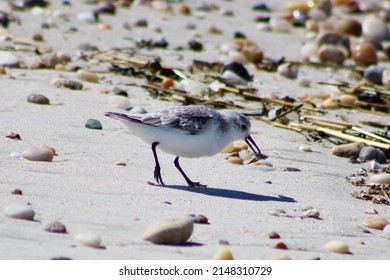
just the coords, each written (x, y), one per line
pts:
(223, 253)
(38, 154)
(336, 246)
(350, 150)
(380, 179)
(371, 211)
(376, 223)
(311, 213)
(89, 239)
(13, 135)
(169, 231)
(19, 211)
(56, 227)
(305, 148)
(38, 99)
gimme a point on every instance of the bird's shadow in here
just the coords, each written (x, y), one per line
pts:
(233, 194)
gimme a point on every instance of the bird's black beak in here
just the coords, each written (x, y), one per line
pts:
(252, 144)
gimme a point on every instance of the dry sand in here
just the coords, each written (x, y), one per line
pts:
(85, 189)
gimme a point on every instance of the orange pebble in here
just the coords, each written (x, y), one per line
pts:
(167, 83)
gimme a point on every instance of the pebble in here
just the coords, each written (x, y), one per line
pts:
(374, 74)
(288, 70)
(15, 155)
(89, 239)
(332, 54)
(280, 245)
(337, 247)
(93, 124)
(56, 227)
(277, 24)
(348, 100)
(13, 135)
(271, 235)
(238, 70)
(349, 26)
(365, 54)
(372, 153)
(379, 179)
(119, 91)
(118, 101)
(87, 76)
(38, 154)
(350, 150)
(236, 160)
(17, 192)
(375, 223)
(374, 29)
(38, 99)
(244, 155)
(235, 147)
(223, 253)
(87, 17)
(195, 45)
(304, 82)
(7, 59)
(138, 110)
(169, 231)
(334, 39)
(167, 83)
(291, 169)
(198, 219)
(19, 211)
(386, 231)
(66, 83)
(311, 213)
(305, 148)
(183, 9)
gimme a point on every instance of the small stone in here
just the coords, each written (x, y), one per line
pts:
(138, 110)
(38, 154)
(277, 24)
(241, 75)
(337, 247)
(334, 39)
(38, 99)
(304, 82)
(375, 223)
(56, 227)
(15, 155)
(374, 29)
(167, 83)
(374, 74)
(371, 211)
(169, 231)
(37, 37)
(195, 45)
(365, 54)
(198, 219)
(119, 101)
(372, 153)
(66, 83)
(122, 163)
(213, 29)
(349, 26)
(7, 59)
(348, 100)
(244, 155)
(280, 245)
(305, 148)
(17, 192)
(271, 235)
(235, 160)
(311, 213)
(235, 147)
(183, 9)
(141, 23)
(380, 179)
(223, 253)
(14, 136)
(292, 169)
(350, 150)
(87, 76)
(93, 124)
(119, 91)
(19, 211)
(89, 239)
(3, 71)
(288, 70)
(332, 54)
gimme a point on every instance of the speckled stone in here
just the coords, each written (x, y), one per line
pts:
(56, 227)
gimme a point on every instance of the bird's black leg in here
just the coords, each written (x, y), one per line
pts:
(157, 168)
(189, 182)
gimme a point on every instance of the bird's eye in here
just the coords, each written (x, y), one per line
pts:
(244, 127)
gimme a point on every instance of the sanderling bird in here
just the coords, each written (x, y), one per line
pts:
(190, 132)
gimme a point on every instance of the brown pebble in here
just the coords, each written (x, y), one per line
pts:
(122, 163)
(167, 83)
(271, 235)
(3, 71)
(365, 54)
(183, 9)
(378, 223)
(280, 245)
(37, 37)
(349, 26)
(332, 54)
(17, 192)
(236, 160)
(38, 99)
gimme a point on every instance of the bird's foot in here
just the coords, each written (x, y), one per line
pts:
(157, 176)
(196, 184)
